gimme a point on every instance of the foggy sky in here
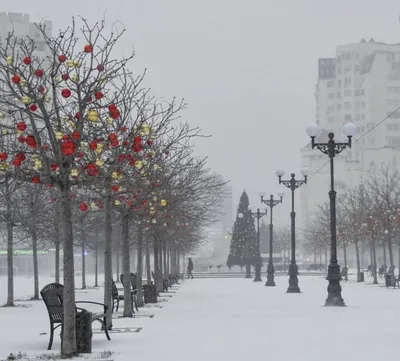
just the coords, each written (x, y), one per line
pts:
(247, 69)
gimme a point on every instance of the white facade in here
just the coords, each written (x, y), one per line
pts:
(20, 26)
(360, 85)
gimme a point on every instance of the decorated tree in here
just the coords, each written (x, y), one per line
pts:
(58, 114)
(243, 248)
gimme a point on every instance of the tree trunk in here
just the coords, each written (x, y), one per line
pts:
(384, 252)
(345, 254)
(139, 274)
(126, 266)
(374, 273)
(83, 240)
(59, 236)
(390, 247)
(117, 264)
(68, 347)
(178, 262)
(165, 260)
(315, 257)
(148, 266)
(160, 266)
(358, 262)
(10, 259)
(96, 263)
(108, 273)
(156, 265)
(35, 265)
(173, 261)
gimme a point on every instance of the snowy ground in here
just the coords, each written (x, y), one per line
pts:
(236, 319)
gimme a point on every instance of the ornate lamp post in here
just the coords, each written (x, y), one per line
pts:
(271, 203)
(258, 215)
(331, 148)
(292, 184)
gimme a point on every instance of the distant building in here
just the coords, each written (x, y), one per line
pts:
(360, 85)
(20, 26)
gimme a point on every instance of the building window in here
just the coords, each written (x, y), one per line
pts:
(371, 141)
(370, 126)
(358, 116)
(339, 107)
(359, 92)
(331, 96)
(347, 105)
(347, 81)
(393, 89)
(393, 141)
(360, 105)
(339, 70)
(330, 84)
(347, 117)
(362, 116)
(347, 93)
(392, 115)
(339, 83)
(331, 109)
(338, 95)
(356, 68)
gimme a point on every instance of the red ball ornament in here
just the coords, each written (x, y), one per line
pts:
(62, 58)
(20, 156)
(30, 141)
(16, 162)
(3, 156)
(149, 142)
(88, 48)
(98, 95)
(27, 60)
(33, 107)
(42, 89)
(39, 73)
(92, 169)
(16, 79)
(68, 148)
(53, 166)
(36, 180)
(21, 126)
(93, 144)
(65, 76)
(124, 129)
(21, 139)
(83, 207)
(66, 93)
(53, 199)
(100, 67)
(115, 188)
(76, 135)
(78, 115)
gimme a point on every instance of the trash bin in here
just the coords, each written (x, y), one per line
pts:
(165, 284)
(388, 280)
(360, 276)
(150, 294)
(83, 331)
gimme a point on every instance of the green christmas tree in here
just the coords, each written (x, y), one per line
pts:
(243, 248)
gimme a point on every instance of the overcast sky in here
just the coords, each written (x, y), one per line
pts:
(247, 68)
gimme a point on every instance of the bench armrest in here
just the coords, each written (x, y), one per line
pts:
(95, 303)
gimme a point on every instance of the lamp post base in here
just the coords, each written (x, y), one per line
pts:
(257, 276)
(334, 289)
(293, 280)
(270, 275)
(248, 271)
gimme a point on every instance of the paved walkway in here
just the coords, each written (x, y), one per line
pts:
(237, 319)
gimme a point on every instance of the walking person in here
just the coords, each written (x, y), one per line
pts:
(190, 268)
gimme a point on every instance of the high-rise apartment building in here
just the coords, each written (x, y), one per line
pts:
(20, 26)
(360, 85)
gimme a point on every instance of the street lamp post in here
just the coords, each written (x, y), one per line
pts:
(258, 215)
(271, 203)
(331, 148)
(292, 184)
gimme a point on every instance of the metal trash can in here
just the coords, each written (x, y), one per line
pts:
(84, 331)
(360, 276)
(150, 293)
(165, 285)
(388, 280)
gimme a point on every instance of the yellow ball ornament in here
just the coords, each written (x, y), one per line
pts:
(59, 135)
(70, 63)
(9, 60)
(93, 115)
(99, 162)
(25, 99)
(74, 172)
(139, 164)
(117, 202)
(163, 202)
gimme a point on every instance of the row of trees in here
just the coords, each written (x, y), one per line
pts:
(368, 218)
(85, 146)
